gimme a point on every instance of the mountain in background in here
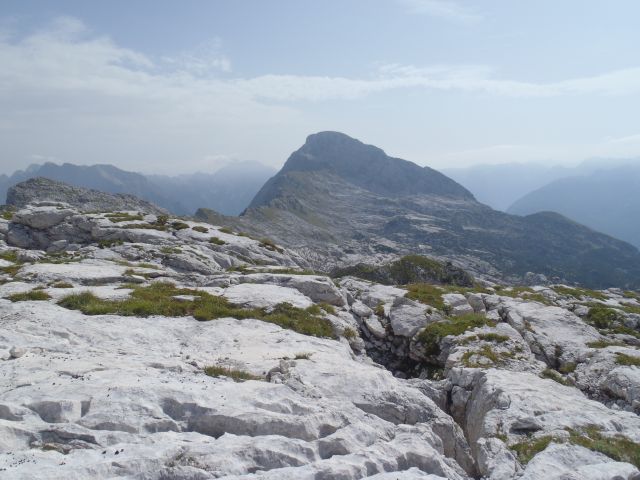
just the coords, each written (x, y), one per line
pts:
(229, 190)
(606, 200)
(500, 185)
(339, 201)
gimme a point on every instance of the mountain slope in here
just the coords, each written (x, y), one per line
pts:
(320, 205)
(608, 201)
(229, 190)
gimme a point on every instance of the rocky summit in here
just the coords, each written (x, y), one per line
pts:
(338, 201)
(141, 346)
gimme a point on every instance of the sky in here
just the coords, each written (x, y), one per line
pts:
(161, 86)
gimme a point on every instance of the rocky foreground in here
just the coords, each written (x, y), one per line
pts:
(140, 346)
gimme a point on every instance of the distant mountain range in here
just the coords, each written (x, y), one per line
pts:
(228, 191)
(499, 186)
(337, 200)
(606, 200)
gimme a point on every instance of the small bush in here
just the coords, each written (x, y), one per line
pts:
(330, 309)
(7, 215)
(162, 219)
(226, 230)
(217, 241)
(493, 337)
(603, 344)
(349, 333)
(62, 285)
(179, 225)
(33, 295)
(199, 228)
(170, 250)
(568, 368)
(379, 310)
(553, 375)
(236, 375)
(108, 243)
(486, 351)
(269, 245)
(9, 256)
(427, 294)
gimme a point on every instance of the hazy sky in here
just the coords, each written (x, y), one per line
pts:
(164, 86)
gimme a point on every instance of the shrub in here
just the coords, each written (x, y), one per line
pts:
(269, 245)
(349, 333)
(217, 241)
(179, 225)
(199, 228)
(493, 337)
(226, 230)
(379, 310)
(553, 375)
(603, 344)
(33, 295)
(108, 243)
(431, 336)
(162, 219)
(568, 368)
(236, 375)
(62, 285)
(7, 215)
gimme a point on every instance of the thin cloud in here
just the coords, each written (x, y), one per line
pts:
(447, 9)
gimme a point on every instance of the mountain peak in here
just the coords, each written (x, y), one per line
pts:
(365, 166)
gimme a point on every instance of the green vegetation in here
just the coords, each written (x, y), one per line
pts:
(528, 449)
(431, 336)
(289, 271)
(485, 351)
(269, 245)
(602, 317)
(170, 250)
(349, 333)
(427, 294)
(7, 215)
(157, 299)
(616, 447)
(379, 310)
(236, 375)
(493, 337)
(330, 309)
(179, 225)
(628, 360)
(226, 230)
(631, 309)
(119, 217)
(162, 219)
(568, 367)
(577, 292)
(555, 376)
(33, 295)
(61, 285)
(108, 243)
(145, 226)
(603, 344)
(217, 241)
(9, 256)
(199, 228)
(411, 269)
(525, 293)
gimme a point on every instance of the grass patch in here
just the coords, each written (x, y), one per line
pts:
(145, 226)
(493, 337)
(604, 344)
(33, 295)
(569, 367)
(226, 230)
(7, 215)
(578, 293)
(379, 310)
(236, 375)
(349, 333)
(600, 316)
(628, 360)
(631, 309)
(616, 447)
(157, 299)
(431, 336)
(120, 217)
(199, 228)
(108, 243)
(555, 376)
(9, 256)
(528, 449)
(217, 241)
(525, 293)
(425, 293)
(270, 245)
(485, 351)
(170, 250)
(61, 285)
